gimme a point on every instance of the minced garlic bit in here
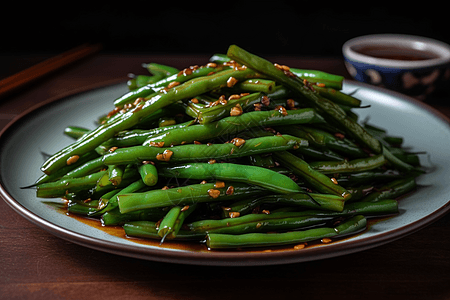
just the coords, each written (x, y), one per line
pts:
(236, 110)
(157, 144)
(73, 159)
(212, 161)
(230, 190)
(219, 184)
(234, 97)
(281, 67)
(290, 103)
(231, 82)
(165, 156)
(173, 84)
(186, 207)
(234, 214)
(237, 141)
(320, 84)
(112, 149)
(266, 211)
(281, 109)
(194, 100)
(214, 193)
(265, 100)
(326, 240)
(334, 180)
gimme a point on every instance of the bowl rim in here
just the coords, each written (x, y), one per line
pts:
(410, 41)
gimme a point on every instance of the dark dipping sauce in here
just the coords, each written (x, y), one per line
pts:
(395, 53)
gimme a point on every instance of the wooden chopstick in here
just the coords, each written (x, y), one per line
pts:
(45, 67)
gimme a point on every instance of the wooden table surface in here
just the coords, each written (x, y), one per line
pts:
(34, 264)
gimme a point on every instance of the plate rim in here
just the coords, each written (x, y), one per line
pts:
(221, 258)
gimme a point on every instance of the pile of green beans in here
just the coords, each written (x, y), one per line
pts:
(238, 153)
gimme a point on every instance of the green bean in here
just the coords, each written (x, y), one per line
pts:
(316, 179)
(149, 173)
(72, 169)
(185, 195)
(323, 139)
(151, 89)
(232, 125)
(329, 110)
(203, 152)
(160, 69)
(293, 220)
(392, 190)
(345, 166)
(115, 173)
(338, 97)
(330, 80)
(75, 132)
(148, 229)
(310, 200)
(317, 154)
(168, 222)
(263, 177)
(367, 177)
(168, 229)
(113, 201)
(114, 217)
(221, 241)
(257, 223)
(221, 109)
(81, 208)
(104, 132)
(255, 85)
(139, 81)
(138, 136)
(61, 187)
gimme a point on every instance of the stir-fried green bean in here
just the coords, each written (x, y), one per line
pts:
(240, 152)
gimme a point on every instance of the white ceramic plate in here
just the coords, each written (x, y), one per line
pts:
(41, 129)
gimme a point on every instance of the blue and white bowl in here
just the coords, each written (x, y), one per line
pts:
(366, 61)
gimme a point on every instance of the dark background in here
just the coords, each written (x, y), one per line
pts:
(291, 28)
